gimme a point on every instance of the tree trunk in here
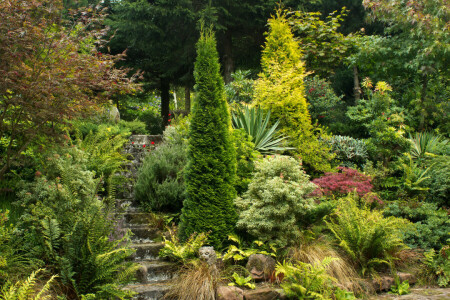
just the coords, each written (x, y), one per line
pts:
(228, 62)
(187, 99)
(422, 109)
(356, 86)
(165, 100)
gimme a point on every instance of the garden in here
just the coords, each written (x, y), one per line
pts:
(223, 150)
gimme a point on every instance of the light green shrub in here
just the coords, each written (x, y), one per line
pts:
(365, 235)
(276, 200)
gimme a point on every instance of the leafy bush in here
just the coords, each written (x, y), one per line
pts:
(72, 231)
(439, 265)
(383, 120)
(365, 235)
(276, 200)
(431, 224)
(344, 182)
(427, 144)
(254, 122)
(160, 183)
(324, 103)
(211, 169)
(240, 90)
(238, 252)
(309, 281)
(349, 151)
(145, 108)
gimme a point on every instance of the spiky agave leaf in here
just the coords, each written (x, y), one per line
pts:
(254, 121)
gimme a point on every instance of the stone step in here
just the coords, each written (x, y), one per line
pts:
(137, 218)
(149, 291)
(146, 251)
(155, 271)
(143, 232)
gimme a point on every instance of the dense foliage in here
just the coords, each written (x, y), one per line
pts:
(280, 89)
(365, 235)
(276, 201)
(211, 169)
(160, 184)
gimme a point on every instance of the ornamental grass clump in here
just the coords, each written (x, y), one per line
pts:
(276, 201)
(211, 170)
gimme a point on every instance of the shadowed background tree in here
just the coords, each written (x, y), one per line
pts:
(211, 169)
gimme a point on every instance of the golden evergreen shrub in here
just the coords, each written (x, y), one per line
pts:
(280, 89)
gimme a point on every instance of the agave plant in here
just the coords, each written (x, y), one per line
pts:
(255, 122)
(427, 144)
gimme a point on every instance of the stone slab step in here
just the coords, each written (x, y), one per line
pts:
(146, 251)
(144, 232)
(149, 291)
(137, 217)
(155, 271)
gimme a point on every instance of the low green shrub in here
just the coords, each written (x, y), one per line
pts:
(276, 200)
(431, 224)
(160, 183)
(135, 126)
(240, 90)
(350, 152)
(365, 235)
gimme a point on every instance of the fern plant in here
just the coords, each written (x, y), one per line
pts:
(183, 253)
(26, 289)
(74, 232)
(308, 281)
(365, 235)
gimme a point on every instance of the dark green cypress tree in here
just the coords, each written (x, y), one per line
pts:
(211, 168)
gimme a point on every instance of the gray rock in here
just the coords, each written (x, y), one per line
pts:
(261, 267)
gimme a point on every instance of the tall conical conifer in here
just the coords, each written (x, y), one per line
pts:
(211, 169)
(280, 88)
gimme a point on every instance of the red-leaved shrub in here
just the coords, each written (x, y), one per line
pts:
(343, 182)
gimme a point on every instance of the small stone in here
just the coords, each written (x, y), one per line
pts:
(229, 293)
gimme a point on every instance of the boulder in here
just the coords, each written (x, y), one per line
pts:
(229, 293)
(261, 267)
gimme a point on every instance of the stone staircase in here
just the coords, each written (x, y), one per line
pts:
(155, 274)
